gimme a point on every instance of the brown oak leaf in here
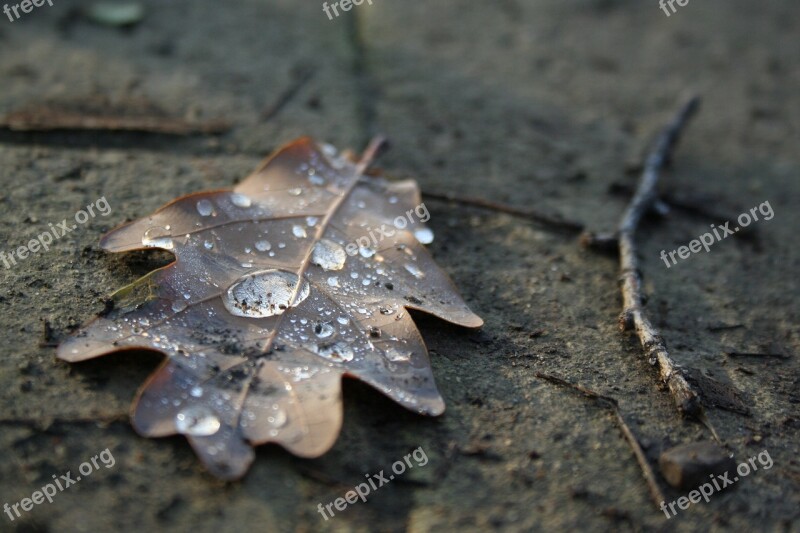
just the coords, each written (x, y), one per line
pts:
(300, 275)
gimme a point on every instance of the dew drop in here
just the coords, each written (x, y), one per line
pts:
(205, 207)
(343, 320)
(424, 235)
(324, 330)
(396, 356)
(263, 246)
(196, 391)
(178, 306)
(208, 245)
(264, 293)
(337, 352)
(197, 421)
(333, 281)
(328, 255)
(299, 232)
(240, 200)
(328, 149)
(157, 237)
(297, 191)
(366, 252)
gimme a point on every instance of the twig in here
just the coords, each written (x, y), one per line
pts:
(543, 219)
(288, 94)
(647, 471)
(45, 422)
(633, 315)
(756, 354)
(53, 118)
(373, 149)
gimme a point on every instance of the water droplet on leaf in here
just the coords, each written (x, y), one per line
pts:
(205, 207)
(324, 330)
(328, 255)
(424, 235)
(264, 293)
(337, 351)
(197, 421)
(240, 200)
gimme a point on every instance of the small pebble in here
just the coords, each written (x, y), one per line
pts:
(687, 466)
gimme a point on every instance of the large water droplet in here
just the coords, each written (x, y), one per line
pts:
(263, 246)
(264, 293)
(205, 207)
(366, 252)
(329, 255)
(197, 421)
(240, 200)
(299, 232)
(324, 330)
(424, 235)
(337, 351)
(297, 191)
(395, 355)
(158, 237)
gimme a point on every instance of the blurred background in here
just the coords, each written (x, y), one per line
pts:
(541, 104)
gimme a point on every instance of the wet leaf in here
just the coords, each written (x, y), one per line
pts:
(280, 287)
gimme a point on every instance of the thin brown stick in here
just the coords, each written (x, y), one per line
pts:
(46, 422)
(287, 95)
(371, 152)
(543, 219)
(757, 354)
(44, 118)
(633, 315)
(641, 458)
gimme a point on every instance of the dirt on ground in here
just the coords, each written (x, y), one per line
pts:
(546, 105)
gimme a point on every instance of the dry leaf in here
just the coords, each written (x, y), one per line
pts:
(264, 311)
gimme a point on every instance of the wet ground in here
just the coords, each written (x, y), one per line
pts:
(547, 105)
